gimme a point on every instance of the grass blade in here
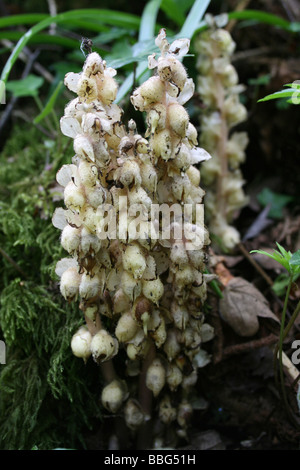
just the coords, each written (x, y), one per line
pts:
(148, 20)
(187, 31)
(146, 32)
(171, 9)
(195, 15)
(50, 105)
(15, 20)
(115, 18)
(261, 17)
(42, 39)
(293, 92)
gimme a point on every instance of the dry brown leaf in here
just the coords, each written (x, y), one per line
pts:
(242, 303)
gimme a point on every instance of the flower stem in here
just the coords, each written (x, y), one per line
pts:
(145, 399)
(280, 346)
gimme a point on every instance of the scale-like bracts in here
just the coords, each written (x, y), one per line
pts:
(136, 256)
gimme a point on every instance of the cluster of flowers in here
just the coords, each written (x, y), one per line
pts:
(143, 295)
(219, 91)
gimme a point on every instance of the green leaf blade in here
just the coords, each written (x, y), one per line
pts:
(25, 87)
(276, 201)
(50, 105)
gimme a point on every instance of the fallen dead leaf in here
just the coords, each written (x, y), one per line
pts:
(208, 440)
(241, 306)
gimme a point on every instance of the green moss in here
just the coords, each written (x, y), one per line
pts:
(48, 397)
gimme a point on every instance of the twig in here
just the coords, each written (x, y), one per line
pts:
(11, 261)
(216, 324)
(255, 264)
(25, 55)
(8, 109)
(249, 346)
(145, 399)
(53, 12)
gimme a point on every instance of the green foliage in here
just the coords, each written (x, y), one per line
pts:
(281, 283)
(25, 87)
(49, 107)
(292, 93)
(48, 397)
(291, 262)
(276, 201)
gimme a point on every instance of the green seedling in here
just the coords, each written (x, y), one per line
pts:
(275, 200)
(291, 262)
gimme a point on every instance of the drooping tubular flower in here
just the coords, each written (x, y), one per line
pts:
(219, 91)
(136, 256)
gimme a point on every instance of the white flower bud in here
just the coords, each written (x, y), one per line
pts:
(126, 328)
(89, 217)
(134, 261)
(224, 41)
(90, 243)
(152, 91)
(153, 290)
(197, 258)
(139, 196)
(190, 338)
(107, 90)
(69, 284)
(113, 395)
(90, 312)
(178, 119)
(84, 147)
(180, 315)
(103, 346)
(70, 238)
(178, 254)
(162, 145)
(184, 413)
(184, 275)
(95, 196)
(71, 81)
(81, 343)
(133, 414)
(182, 158)
(130, 173)
(88, 173)
(174, 377)
(156, 118)
(206, 332)
(141, 145)
(74, 196)
(93, 64)
(172, 70)
(138, 350)
(155, 376)
(87, 88)
(167, 413)
(192, 135)
(190, 380)
(131, 287)
(235, 111)
(121, 302)
(90, 286)
(194, 175)
(157, 328)
(149, 177)
(171, 346)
